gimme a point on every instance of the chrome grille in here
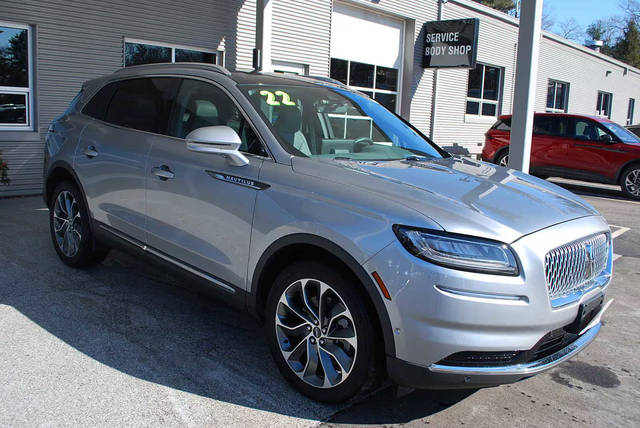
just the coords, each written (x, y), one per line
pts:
(572, 267)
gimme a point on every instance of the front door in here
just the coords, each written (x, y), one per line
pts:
(199, 206)
(589, 155)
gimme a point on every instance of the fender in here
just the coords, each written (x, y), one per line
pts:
(625, 166)
(65, 165)
(346, 258)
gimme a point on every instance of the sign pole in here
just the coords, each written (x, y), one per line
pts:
(525, 85)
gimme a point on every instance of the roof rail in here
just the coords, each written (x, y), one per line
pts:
(192, 65)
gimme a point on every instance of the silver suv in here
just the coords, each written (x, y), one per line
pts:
(363, 247)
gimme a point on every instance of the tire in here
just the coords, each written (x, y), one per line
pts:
(630, 182)
(503, 158)
(321, 377)
(70, 232)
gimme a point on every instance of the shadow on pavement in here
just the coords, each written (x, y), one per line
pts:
(384, 408)
(133, 317)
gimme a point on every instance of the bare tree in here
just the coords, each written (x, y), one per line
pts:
(631, 10)
(570, 29)
(547, 17)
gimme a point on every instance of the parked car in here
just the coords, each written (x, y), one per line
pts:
(574, 146)
(363, 247)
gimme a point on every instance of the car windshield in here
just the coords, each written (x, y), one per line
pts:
(621, 132)
(331, 122)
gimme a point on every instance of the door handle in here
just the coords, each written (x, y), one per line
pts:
(162, 172)
(91, 152)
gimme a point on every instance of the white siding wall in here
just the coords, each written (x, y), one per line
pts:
(496, 46)
(302, 33)
(586, 75)
(77, 41)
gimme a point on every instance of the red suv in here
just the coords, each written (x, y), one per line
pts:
(574, 146)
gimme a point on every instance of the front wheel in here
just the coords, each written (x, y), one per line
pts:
(320, 332)
(630, 182)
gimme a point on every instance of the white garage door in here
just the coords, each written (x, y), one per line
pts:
(366, 52)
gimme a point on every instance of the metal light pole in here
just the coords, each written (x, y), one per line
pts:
(525, 85)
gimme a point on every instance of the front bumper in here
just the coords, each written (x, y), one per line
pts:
(439, 376)
(436, 312)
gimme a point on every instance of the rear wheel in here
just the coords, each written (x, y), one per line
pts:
(503, 159)
(69, 225)
(320, 332)
(630, 182)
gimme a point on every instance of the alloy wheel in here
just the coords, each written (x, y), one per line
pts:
(67, 223)
(504, 161)
(632, 182)
(316, 333)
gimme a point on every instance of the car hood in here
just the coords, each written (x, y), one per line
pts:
(459, 194)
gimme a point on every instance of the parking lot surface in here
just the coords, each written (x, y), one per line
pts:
(124, 344)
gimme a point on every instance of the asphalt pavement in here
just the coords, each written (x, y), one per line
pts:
(125, 344)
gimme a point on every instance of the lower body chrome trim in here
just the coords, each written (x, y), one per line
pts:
(483, 297)
(168, 258)
(525, 369)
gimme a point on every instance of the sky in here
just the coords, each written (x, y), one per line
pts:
(584, 11)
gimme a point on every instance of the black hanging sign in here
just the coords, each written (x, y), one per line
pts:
(451, 43)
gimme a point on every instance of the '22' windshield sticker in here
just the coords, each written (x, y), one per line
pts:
(272, 101)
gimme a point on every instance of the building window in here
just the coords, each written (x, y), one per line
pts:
(138, 52)
(557, 96)
(603, 106)
(16, 97)
(630, 111)
(484, 90)
(378, 82)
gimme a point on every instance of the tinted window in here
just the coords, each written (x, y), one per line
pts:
(502, 125)
(361, 75)
(140, 53)
(550, 125)
(386, 78)
(188, 55)
(339, 69)
(201, 104)
(13, 57)
(97, 106)
(475, 82)
(142, 104)
(585, 129)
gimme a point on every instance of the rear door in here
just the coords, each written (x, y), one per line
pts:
(111, 159)
(549, 142)
(200, 212)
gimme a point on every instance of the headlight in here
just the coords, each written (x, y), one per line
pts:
(459, 252)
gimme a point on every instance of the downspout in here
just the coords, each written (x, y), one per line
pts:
(434, 95)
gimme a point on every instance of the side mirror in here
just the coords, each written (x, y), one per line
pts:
(218, 140)
(606, 138)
